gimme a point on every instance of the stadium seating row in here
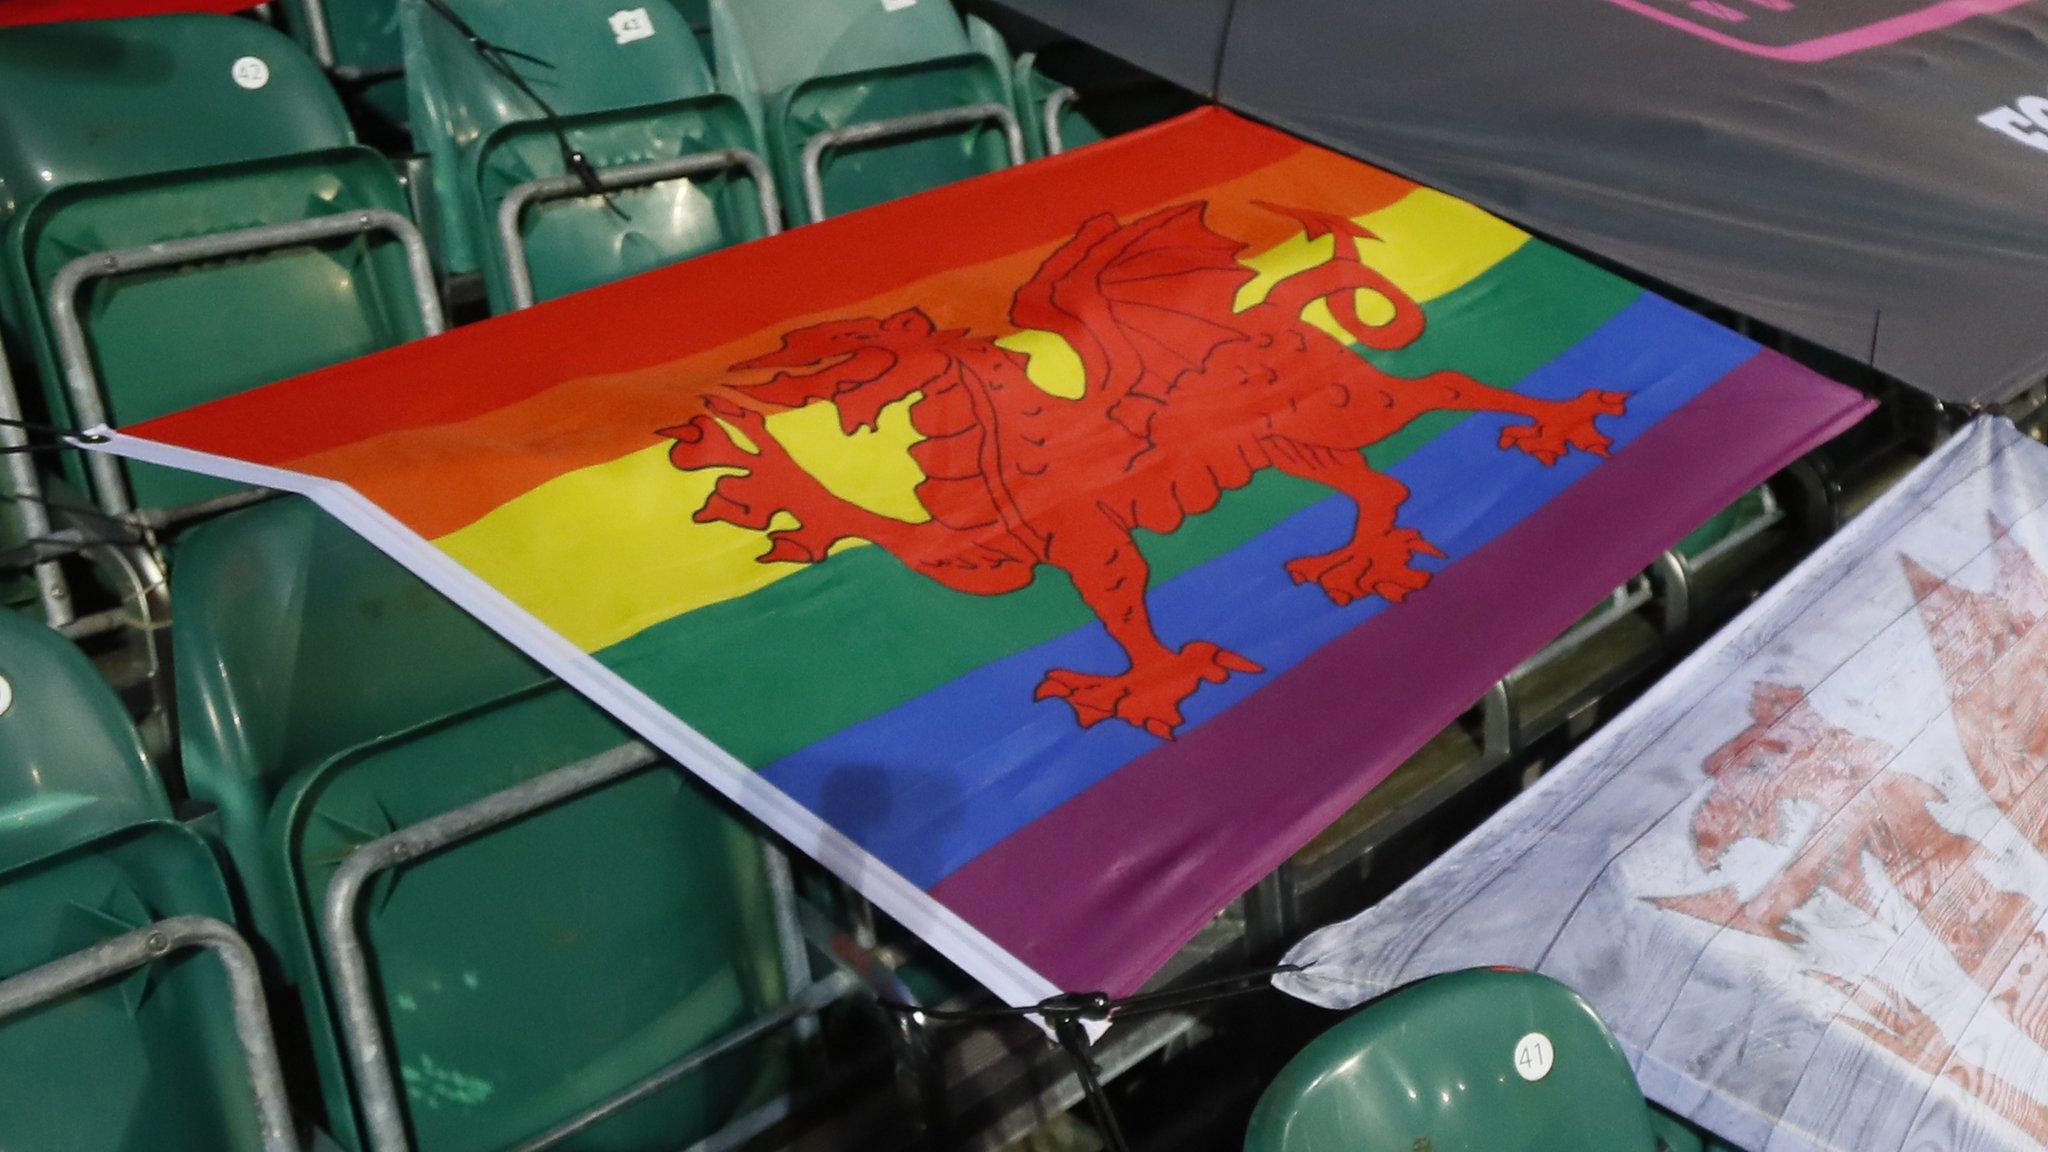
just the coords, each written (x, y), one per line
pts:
(182, 224)
(191, 215)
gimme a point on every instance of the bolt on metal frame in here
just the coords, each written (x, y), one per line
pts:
(150, 944)
(74, 353)
(355, 989)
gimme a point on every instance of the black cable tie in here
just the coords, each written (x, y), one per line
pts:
(33, 428)
(1100, 1006)
(1074, 1039)
(495, 57)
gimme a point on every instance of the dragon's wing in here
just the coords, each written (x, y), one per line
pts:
(1141, 303)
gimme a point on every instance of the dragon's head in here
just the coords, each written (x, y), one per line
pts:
(1789, 756)
(860, 366)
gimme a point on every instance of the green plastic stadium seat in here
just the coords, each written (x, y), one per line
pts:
(297, 641)
(71, 765)
(1446, 1064)
(1070, 93)
(148, 1060)
(357, 40)
(145, 1060)
(629, 94)
(329, 698)
(812, 68)
(189, 130)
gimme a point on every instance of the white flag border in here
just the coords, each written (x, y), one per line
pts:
(1000, 971)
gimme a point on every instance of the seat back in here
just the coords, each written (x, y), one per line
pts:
(296, 640)
(1079, 92)
(329, 697)
(124, 133)
(146, 1060)
(533, 972)
(628, 90)
(88, 852)
(1485, 1060)
(362, 36)
(812, 66)
(1070, 94)
(71, 765)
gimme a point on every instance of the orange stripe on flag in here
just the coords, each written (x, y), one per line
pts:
(443, 477)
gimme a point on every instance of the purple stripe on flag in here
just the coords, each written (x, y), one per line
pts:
(1138, 869)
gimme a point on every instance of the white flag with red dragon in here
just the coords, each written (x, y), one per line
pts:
(1804, 879)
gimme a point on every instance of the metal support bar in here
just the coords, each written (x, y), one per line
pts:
(319, 38)
(25, 492)
(873, 131)
(1496, 725)
(1773, 514)
(147, 945)
(512, 243)
(790, 946)
(806, 1002)
(1673, 582)
(348, 958)
(1056, 105)
(383, 1117)
(74, 355)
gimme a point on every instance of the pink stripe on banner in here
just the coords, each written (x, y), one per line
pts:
(1099, 893)
(1888, 31)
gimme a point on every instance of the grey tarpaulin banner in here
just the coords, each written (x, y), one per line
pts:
(1871, 175)
(1805, 878)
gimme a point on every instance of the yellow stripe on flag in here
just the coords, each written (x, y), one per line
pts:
(1429, 245)
(606, 551)
(603, 552)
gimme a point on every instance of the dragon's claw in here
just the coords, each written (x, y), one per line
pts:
(1376, 567)
(1566, 425)
(1148, 696)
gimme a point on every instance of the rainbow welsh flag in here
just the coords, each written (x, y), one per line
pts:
(1053, 554)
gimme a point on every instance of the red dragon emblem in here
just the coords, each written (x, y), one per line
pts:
(1186, 398)
(1882, 838)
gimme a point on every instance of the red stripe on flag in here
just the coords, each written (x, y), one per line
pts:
(13, 12)
(654, 319)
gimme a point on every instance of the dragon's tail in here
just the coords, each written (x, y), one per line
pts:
(1341, 279)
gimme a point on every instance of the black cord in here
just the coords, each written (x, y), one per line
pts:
(1100, 1006)
(498, 58)
(1067, 1013)
(33, 428)
(1074, 1039)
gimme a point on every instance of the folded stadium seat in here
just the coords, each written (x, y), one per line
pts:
(191, 217)
(1732, 554)
(1071, 93)
(122, 1037)
(356, 41)
(628, 90)
(524, 973)
(862, 101)
(1485, 1060)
